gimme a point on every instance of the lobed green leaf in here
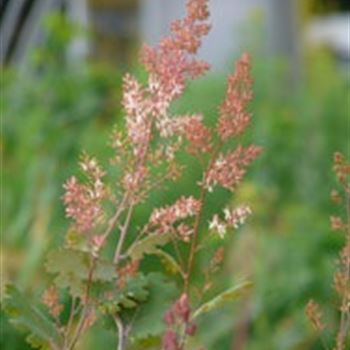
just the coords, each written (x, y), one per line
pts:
(26, 316)
(148, 245)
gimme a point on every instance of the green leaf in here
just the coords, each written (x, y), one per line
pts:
(134, 293)
(77, 241)
(148, 245)
(105, 271)
(148, 322)
(168, 261)
(221, 299)
(72, 269)
(26, 316)
(150, 342)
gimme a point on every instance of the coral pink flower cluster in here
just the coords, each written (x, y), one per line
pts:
(234, 117)
(137, 108)
(178, 322)
(163, 219)
(229, 169)
(233, 219)
(196, 133)
(83, 201)
(169, 64)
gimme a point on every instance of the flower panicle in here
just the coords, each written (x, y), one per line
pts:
(83, 201)
(163, 219)
(233, 219)
(229, 169)
(234, 117)
(171, 63)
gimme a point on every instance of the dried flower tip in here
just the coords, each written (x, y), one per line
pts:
(337, 223)
(341, 283)
(51, 300)
(338, 158)
(336, 197)
(314, 314)
(345, 254)
(342, 170)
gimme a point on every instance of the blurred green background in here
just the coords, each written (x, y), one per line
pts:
(52, 110)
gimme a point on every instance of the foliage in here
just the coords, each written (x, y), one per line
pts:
(28, 317)
(221, 299)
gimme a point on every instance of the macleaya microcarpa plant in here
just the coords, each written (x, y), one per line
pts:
(341, 277)
(143, 303)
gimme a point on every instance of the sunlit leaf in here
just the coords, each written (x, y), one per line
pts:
(134, 293)
(168, 261)
(221, 299)
(72, 269)
(148, 245)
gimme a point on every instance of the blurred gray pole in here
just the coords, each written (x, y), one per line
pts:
(284, 36)
(8, 26)
(155, 16)
(78, 13)
(31, 30)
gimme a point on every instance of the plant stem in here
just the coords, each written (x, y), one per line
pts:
(121, 334)
(345, 316)
(194, 240)
(114, 219)
(198, 219)
(70, 320)
(80, 326)
(123, 235)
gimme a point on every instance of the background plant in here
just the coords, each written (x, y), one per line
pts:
(341, 278)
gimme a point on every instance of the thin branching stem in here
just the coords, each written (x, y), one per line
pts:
(70, 320)
(198, 219)
(345, 316)
(113, 221)
(80, 326)
(121, 333)
(123, 234)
